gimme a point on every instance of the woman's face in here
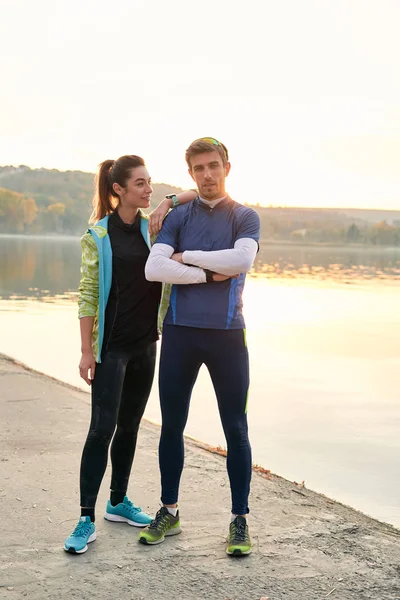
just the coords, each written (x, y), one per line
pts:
(137, 191)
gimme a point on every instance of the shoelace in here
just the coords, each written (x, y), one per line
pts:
(239, 530)
(160, 520)
(132, 507)
(82, 528)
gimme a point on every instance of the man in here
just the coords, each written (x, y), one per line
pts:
(205, 248)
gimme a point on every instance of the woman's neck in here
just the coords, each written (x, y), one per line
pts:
(127, 214)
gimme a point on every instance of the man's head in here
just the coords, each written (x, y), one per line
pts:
(209, 165)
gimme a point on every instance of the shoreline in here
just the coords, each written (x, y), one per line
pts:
(215, 450)
(304, 544)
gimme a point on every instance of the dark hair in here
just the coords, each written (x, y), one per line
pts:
(105, 199)
(206, 145)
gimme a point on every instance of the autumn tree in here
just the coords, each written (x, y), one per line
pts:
(16, 211)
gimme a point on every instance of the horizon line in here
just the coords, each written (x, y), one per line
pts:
(274, 206)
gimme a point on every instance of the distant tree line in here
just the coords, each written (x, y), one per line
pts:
(52, 201)
(320, 226)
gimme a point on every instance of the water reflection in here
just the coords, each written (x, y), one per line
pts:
(39, 266)
(48, 267)
(324, 358)
(342, 264)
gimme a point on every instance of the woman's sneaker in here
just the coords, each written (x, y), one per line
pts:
(239, 542)
(83, 534)
(163, 524)
(127, 512)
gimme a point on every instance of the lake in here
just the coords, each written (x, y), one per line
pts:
(323, 332)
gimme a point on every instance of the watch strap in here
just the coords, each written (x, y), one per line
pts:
(174, 198)
(209, 275)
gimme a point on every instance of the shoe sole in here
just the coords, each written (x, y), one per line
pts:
(118, 519)
(175, 531)
(73, 551)
(238, 552)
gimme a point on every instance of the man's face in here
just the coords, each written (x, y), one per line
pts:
(209, 173)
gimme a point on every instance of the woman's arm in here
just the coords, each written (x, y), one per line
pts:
(88, 304)
(87, 365)
(158, 215)
(88, 300)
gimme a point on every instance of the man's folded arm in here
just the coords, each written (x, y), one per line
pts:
(238, 259)
(160, 267)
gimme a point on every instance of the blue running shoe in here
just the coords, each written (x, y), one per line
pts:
(83, 534)
(127, 512)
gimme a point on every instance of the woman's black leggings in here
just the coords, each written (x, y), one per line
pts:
(120, 390)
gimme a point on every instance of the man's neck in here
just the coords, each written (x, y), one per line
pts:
(212, 203)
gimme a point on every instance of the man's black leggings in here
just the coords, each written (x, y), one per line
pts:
(224, 352)
(120, 390)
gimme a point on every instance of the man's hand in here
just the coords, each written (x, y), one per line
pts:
(87, 367)
(220, 277)
(158, 215)
(178, 257)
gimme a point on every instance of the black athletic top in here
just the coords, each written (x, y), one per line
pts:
(132, 307)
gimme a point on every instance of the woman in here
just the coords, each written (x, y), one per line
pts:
(118, 311)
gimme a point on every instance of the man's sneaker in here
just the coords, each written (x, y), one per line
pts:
(83, 534)
(127, 512)
(163, 524)
(239, 539)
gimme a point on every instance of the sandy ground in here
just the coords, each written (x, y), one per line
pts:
(306, 546)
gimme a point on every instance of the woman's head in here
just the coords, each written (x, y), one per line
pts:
(124, 182)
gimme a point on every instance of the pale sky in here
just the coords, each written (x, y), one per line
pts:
(305, 93)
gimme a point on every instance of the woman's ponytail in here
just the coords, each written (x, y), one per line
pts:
(103, 203)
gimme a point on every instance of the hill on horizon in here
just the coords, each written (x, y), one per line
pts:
(62, 198)
(54, 201)
(47, 186)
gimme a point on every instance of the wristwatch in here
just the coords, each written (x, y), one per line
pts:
(174, 198)
(209, 275)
